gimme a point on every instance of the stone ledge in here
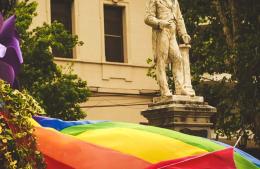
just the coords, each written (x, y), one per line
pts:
(180, 124)
(177, 98)
(193, 124)
(180, 107)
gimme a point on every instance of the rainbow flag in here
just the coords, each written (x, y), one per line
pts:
(116, 145)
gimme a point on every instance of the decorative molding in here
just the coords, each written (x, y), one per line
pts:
(73, 60)
(116, 1)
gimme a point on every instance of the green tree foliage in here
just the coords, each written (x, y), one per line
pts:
(57, 92)
(226, 38)
(17, 142)
(67, 91)
(209, 52)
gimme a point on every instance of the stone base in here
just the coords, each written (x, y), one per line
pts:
(177, 98)
(186, 114)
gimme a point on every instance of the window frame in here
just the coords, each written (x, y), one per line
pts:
(115, 35)
(125, 5)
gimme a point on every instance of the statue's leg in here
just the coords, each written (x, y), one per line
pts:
(177, 66)
(162, 57)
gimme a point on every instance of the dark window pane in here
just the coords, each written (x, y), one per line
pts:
(114, 49)
(113, 22)
(61, 11)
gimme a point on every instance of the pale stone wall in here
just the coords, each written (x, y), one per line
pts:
(124, 108)
(89, 60)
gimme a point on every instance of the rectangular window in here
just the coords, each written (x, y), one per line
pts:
(61, 11)
(114, 42)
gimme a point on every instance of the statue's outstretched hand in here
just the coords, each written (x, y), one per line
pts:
(186, 38)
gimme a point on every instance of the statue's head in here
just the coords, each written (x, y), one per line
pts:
(10, 52)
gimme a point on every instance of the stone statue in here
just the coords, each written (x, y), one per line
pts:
(165, 18)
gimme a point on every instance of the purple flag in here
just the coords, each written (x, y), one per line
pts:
(6, 72)
(10, 52)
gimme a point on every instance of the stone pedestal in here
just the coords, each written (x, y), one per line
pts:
(187, 114)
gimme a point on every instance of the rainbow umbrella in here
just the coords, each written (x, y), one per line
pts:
(106, 145)
(114, 145)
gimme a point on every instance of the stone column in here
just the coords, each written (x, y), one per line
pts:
(186, 67)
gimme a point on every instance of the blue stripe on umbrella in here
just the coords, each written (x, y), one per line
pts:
(60, 124)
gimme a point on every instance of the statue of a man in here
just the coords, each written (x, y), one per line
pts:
(165, 18)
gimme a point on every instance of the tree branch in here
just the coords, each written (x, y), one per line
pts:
(224, 21)
(235, 21)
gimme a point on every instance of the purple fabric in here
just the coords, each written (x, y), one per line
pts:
(7, 29)
(11, 57)
(6, 72)
(1, 20)
(9, 38)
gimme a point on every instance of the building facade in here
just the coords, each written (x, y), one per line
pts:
(113, 58)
